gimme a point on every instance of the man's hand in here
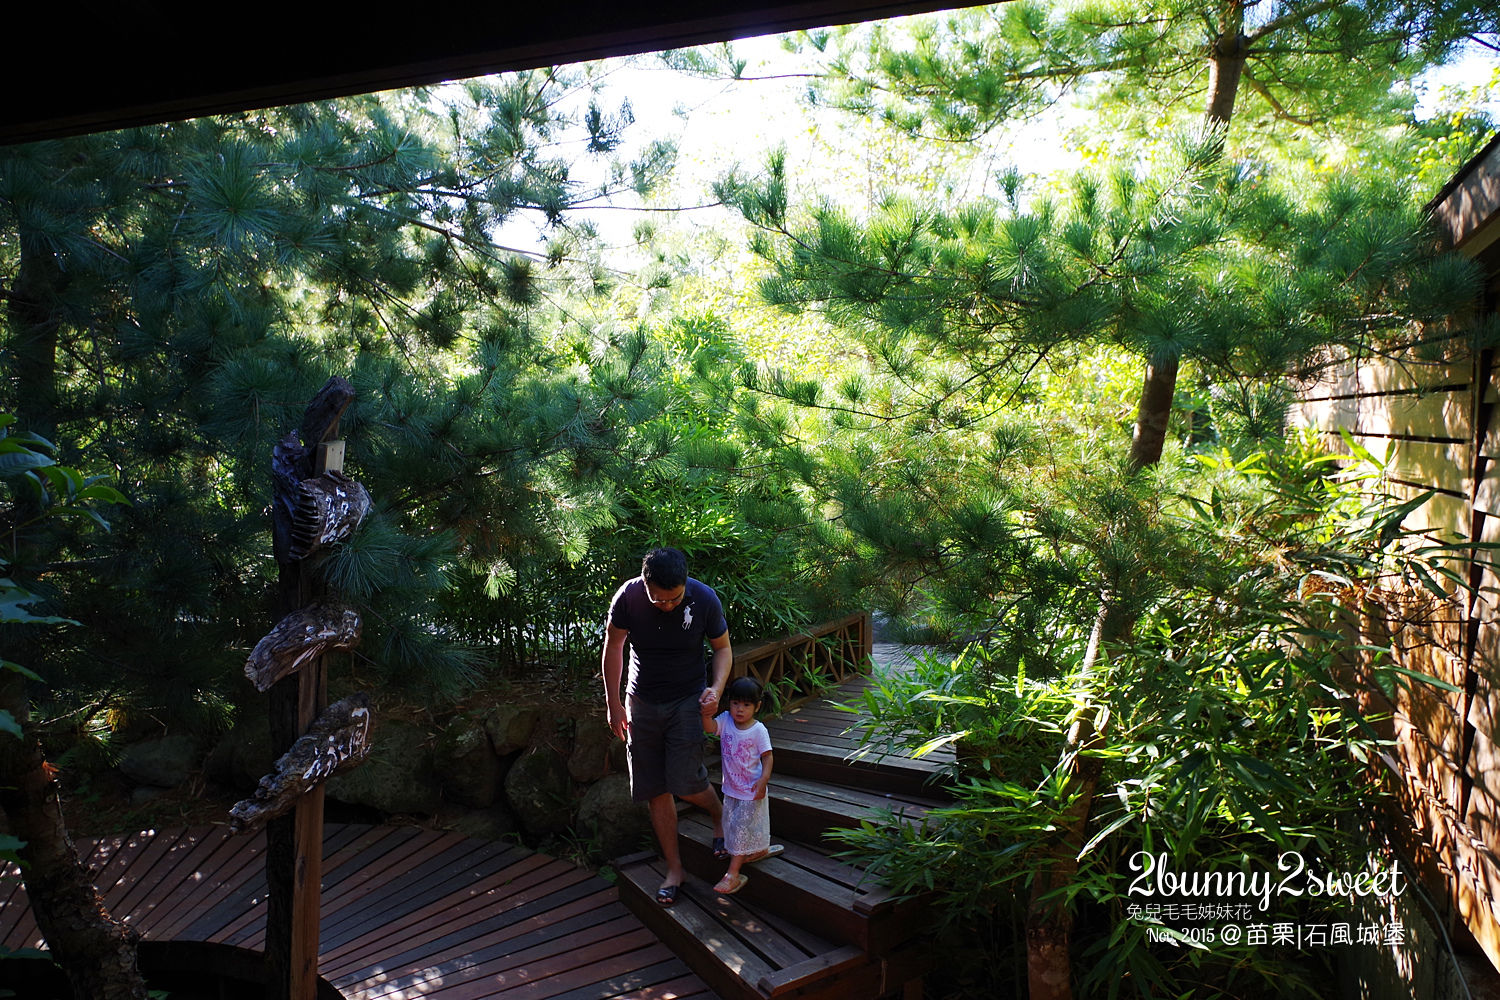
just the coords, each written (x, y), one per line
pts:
(709, 699)
(618, 723)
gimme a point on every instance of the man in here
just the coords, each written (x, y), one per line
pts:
(665, 617)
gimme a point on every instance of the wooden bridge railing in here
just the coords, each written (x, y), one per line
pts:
(796, 667)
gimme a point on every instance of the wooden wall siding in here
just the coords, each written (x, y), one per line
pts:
(834, 651)
(1433, 413)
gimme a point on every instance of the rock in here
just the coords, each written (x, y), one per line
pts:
(619, 757)
(539, 790)
(145, 795)
(495, 823)
(164, 761)
(616, 825)
(563, 730)
(510, 727)
(398, 776)
(466, 765)
(590, 759)
(243, 756)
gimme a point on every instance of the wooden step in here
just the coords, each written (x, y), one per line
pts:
(840, 900)
(806, 809)
(740, 948)
(822, 741)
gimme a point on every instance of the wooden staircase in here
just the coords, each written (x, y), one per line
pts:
(806, 925)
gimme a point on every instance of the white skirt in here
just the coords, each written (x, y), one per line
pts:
(747, 825)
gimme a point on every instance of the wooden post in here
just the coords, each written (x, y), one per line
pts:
(294, 844)
(307, 880)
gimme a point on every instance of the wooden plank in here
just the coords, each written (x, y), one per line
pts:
(190, 848)
(382, 850)
(428, 922)
(614, 968)
(817, 967)
(1433, 715)
(1437, 772)
(668, 979)
(546, 952)
(558, 966)
(17, 925)
(879, 773)
(1484, 708)
(401, 887)
(562, 902)
(1417, 415)
(549, 884)
(551, 897)
(238, 886)
(732, 968)
(231, 860)
(1432, 465)
(1325, 414)
(686, 987)
(1438, 363)
(506, 909)
(1477, 885)
(1483, 815)
(1484, 764)
(126, 850)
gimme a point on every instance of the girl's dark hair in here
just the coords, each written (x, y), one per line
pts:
(743, 689)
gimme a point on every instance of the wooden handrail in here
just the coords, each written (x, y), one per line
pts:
(794, 667)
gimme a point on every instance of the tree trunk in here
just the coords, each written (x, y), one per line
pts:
(1049, 917)
(97, 952)
(1226, 63)
(1154, 412)
(1049, 922)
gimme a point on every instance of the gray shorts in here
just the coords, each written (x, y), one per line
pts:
(666, 748)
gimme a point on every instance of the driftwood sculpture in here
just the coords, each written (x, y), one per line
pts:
(292, 460)
(299, 639)
(329, 508)
(337, 741)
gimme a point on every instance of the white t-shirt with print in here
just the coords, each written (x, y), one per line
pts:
(740, 751)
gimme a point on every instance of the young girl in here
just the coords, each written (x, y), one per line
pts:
(745, 747)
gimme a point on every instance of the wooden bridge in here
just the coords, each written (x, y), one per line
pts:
(411, 912)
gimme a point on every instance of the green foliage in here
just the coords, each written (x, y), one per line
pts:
(1234, 730)
(1140, 67)
(36, 489)
(182, 290)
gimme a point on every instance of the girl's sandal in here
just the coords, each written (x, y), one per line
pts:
(728, 886)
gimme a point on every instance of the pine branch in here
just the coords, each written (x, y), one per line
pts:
(1291, 17)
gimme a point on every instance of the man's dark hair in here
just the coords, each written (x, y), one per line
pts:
(745, 688)
(665, 568)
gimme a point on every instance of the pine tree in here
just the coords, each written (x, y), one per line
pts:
(1204, 253)
(179, 291)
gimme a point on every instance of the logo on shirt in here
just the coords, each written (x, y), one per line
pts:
(687, 617)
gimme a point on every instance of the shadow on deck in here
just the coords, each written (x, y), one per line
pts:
(410, 912)
(407, 912)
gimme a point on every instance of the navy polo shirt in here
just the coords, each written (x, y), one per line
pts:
(666, 647)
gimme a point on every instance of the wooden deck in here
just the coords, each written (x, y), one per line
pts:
(407, 912)
(410, 912)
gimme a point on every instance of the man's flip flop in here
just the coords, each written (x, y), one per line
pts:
(667, 895)
(728, 887)
(720, 854)
(771, 852)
